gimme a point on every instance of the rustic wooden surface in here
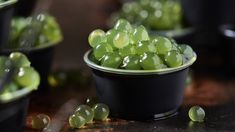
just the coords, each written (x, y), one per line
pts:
(214, 95)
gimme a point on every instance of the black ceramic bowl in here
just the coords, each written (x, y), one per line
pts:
(13, 110)
(140, 94)
(6, 13)
(41, 59)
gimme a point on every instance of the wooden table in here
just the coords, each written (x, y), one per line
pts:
(216, 96)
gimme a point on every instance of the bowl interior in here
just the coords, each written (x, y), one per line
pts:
(136, 72)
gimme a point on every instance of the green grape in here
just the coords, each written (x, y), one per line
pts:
(150, 61)
(110, 36)
(76, 121)
(93, 59)
(173, 58)
(121, 40)
(101, 49)
(123, 25)
(131, 62)
(96, 37)
(128, 50)
(186, 50)
(27, 77)
(197, 114)
(163, 45)
(92, 101)
(101, 111)
(50, 31)
(112, 60)
(9, 88)
(86, 112)
(5, 64)
(40, 121)
(140, 34)
(19, 60)
(145, 46)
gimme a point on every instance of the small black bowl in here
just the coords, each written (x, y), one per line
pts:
(41, 59)
(140, 94)
(6, 13)
(13, 110)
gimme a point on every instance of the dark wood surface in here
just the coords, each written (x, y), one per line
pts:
(216, 96)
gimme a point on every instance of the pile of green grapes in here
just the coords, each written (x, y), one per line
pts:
(88, 112)
(153, 14)
(23, 75)
(129, 47)
(48, 32)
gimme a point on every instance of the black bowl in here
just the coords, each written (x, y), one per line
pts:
(6, 13)
(13, 110)
(140, 94)
(41, 59)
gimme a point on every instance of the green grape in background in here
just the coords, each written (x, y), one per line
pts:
(76, 121)
(112, 60)
(9, 88)
(131, 62)
(173, 58)
(101, 111)
(145, 46)
(5, 64)
(51, 32)
(151, 61)
(101, 49)
(19, 60)
(123, 25)
(86, 112)
(27, 77)
(140, 34)
(96, 37)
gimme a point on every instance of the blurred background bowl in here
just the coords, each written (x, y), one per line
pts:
(6, 13)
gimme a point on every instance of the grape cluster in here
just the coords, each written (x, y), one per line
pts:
(153, 14)
(24, 76)
(88, 112)
(20, 27)
(129, 47)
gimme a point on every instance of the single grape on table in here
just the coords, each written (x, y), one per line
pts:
(196, 114)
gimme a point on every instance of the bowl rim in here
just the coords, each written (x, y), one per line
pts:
(136, 72)
(44, 46)
(7, 3)
(10, 97)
